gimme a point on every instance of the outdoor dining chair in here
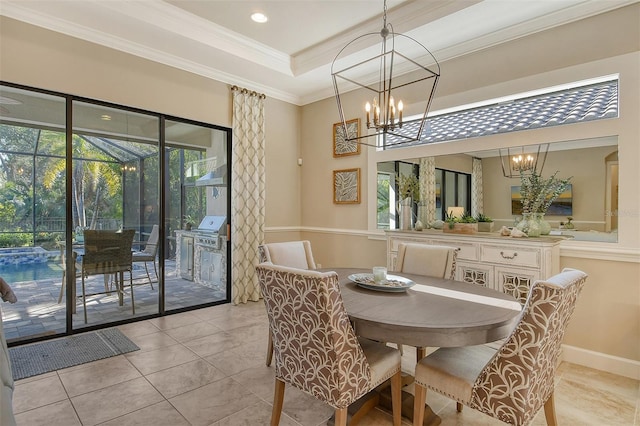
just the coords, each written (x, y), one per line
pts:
(149, 253)
(295, 254)
(106, 253)
(513, 382)
(316, 348)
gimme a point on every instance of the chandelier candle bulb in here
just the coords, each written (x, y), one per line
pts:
(367, 108)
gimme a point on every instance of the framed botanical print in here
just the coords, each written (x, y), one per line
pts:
(346, 186)
(341, 146)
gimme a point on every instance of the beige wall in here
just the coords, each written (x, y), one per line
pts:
(605, 331)
(299, 199)
(47, 60)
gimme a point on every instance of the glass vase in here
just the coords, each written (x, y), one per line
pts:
(545, 227)
(529, 224)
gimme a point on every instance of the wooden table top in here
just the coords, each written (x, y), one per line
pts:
(434, 313)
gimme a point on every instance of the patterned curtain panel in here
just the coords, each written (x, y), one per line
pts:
(477, 204)
(427, 206)
(247, 192)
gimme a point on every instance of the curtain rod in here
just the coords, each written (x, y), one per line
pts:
(248, 92)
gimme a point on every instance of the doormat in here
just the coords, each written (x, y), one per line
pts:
(38, 358)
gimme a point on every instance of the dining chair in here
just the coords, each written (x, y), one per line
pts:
(513, 382)
(426, 259)
(149, 253)
(107, 253)
(296, 254)
(316, 348)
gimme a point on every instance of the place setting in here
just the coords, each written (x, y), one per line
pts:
(379, 280)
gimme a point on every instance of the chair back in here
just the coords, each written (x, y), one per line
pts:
(316, 349)
(295, 254)
(519, 379)
(107, 252)
(428, 260)
(151, 246)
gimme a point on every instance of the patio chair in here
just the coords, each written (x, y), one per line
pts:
(149, 253)
(316, 348)
(513, 382)
(106, 253)
(295, 254)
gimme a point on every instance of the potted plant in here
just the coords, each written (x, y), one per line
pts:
(485, 223)
(188, 222)
(466, 224)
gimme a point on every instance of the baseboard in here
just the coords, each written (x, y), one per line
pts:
(599, 361)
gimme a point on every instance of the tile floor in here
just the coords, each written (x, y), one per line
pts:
(206, 367)
(38, 312)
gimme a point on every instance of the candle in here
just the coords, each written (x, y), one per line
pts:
(400, 107)
(379, 274)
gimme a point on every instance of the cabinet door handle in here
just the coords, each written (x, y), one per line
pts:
(504, 256)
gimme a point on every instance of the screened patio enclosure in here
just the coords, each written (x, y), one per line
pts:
(69, 164)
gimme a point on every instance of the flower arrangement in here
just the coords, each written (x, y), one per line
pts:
(538, 193)
(408, 186)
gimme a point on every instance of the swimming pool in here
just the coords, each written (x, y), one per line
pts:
(30, 272)
(23, 255)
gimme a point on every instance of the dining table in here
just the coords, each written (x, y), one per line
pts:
(424, 312)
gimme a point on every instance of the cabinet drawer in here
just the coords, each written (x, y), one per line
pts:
(511, 256)
(468, 251)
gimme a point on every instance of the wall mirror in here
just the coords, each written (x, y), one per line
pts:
(592, 165)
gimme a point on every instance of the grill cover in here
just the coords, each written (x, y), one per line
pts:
(214, 224)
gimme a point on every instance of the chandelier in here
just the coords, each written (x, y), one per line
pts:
(517, 161)
(396, 82)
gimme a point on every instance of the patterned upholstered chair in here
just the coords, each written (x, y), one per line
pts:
(515, 381)
(316, 348)
(295, 254)
(428, 260)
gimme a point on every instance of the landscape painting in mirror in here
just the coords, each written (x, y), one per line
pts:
(561, 206)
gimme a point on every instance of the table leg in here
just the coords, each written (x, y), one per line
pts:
(381, 397)
(120, 286)
(430, 418)
(420, 353)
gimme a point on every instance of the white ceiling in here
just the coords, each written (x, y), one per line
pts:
(289, 57)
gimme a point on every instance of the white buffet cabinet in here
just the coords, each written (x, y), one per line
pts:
(506, 264)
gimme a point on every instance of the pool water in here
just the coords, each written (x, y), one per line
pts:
(30, 272)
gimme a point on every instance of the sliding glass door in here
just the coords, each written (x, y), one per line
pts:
(115, 186)
(77, 177)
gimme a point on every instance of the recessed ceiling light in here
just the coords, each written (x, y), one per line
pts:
(105, 117)
(259, 17)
